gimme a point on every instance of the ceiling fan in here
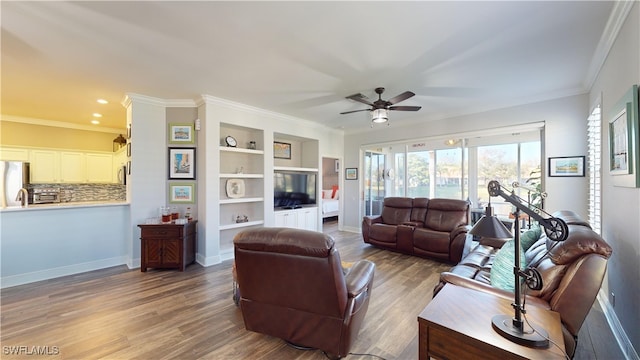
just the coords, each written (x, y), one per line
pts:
(379, 108)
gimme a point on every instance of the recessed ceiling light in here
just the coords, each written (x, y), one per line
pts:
(95, 122)
(102, 101)
(97, 115)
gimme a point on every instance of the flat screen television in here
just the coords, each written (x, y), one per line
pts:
(293, 190)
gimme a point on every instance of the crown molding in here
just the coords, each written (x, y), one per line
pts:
(619, 13)
(60, 124)
(294, 121)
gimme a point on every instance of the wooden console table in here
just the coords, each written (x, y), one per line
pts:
(457, 325)
(167, 245)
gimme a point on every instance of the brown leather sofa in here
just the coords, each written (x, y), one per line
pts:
(572, 273)
(292, 286)
(432, 228)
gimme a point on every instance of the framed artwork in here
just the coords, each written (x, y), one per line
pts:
(182, 163)
(281, 150)
(182, 193)
(566, 166)
(351, 173)
(181, 134)
(623, 141)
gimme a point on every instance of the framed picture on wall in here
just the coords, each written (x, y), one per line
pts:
(182, 163)
(182, 193)
(566, 166)
(624, 141)
(281, 150)
(351, 173)
(181, 134)
(619, 140)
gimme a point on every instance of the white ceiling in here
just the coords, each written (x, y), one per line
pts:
(296, 58)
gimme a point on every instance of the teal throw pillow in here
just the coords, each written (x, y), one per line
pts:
(530, 236)
(502, 269)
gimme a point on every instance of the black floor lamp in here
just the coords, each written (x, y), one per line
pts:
(490, 226)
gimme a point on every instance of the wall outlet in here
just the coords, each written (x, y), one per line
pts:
(612, 299)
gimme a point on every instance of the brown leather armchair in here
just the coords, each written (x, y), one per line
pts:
(293, 287)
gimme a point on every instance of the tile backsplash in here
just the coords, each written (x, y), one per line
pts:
(88, 192)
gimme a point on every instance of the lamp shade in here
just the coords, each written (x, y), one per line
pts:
(490, 226)
(379, 116)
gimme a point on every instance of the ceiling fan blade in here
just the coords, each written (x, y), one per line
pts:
(349, 112)
(405, 108)
(360, 98)
(402, 97)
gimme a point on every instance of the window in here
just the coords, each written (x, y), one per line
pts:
(448, 174)
(458, 168)
(594, 139)
(419, 173)
(508, 163)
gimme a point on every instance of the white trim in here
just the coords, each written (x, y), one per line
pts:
(20, 279)
(502, 130)
(208, 261)
(294, 121)
(616, 19)
(616, 328)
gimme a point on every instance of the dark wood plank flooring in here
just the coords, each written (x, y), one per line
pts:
(117, 313)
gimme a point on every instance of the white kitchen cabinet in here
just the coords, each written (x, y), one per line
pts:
(72, 167)
(98, 168)
(14, 154)
(45, 166)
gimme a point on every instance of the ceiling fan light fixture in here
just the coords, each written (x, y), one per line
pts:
(379, 116)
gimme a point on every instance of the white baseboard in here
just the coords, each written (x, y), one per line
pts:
(208, 261)
(618, 332)
(134, 263)
(21, 279)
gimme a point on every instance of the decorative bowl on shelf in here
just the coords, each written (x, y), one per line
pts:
(235, 188)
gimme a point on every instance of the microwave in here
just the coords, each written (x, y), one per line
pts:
(46, 196)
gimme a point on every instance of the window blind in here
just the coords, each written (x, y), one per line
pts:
(594, 139)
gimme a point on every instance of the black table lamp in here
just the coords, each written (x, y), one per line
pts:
(490, 226)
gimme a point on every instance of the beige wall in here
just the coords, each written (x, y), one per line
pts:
(22, 134)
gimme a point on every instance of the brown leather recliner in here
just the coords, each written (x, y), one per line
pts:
(293, 287)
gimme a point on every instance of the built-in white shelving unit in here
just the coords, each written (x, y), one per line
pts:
(244, 166)
(304, 159)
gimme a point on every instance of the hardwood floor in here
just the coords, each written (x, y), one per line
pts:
(118, 313)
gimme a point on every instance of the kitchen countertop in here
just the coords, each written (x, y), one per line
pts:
(65, 205)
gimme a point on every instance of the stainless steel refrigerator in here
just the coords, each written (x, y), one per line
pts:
(15, 176)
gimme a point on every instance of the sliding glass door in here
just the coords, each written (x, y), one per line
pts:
(374, 189)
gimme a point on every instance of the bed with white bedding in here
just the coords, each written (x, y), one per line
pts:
(330, 206)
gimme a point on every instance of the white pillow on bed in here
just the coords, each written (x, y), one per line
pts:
(326, 194)
(336, 197)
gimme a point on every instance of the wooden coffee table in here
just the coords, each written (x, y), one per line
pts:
(457, 325)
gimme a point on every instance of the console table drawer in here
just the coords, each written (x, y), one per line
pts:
(161, 231)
